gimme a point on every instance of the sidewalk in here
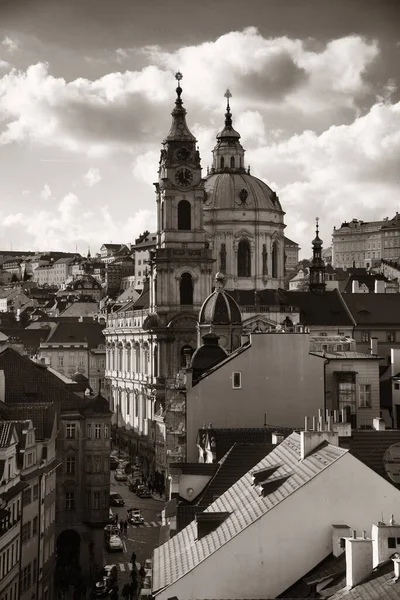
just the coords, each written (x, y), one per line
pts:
(160, 497)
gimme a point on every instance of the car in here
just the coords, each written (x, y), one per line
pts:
(116, 499)
(135, 516)
(120, 476)
(133, 483)
(114, 544)
(143, 492)
(110, 530)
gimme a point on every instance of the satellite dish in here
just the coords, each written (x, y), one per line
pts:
(391, 462)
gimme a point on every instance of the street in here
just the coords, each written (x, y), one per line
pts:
(141, 539)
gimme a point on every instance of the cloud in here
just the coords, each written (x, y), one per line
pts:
(45, 194)
(10, 45)
(92, 177)
(129, 111)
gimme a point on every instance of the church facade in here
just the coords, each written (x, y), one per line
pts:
(229, 222)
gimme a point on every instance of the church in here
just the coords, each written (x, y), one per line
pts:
(218, 267)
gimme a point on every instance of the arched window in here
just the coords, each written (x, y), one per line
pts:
(137, 357)
(183, 354)
(162, 216)
(222, 162)
(222, 258)
(128, 358)
(244, 259)
(232, 162)
(120, 358)
(275, 259)
(186, 289)
(145, 358)
(184, 215)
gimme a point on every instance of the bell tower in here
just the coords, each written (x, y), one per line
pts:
(182, 261)
(317, 268)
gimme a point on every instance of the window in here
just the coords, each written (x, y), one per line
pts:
(72, 359)
(35, 526)
(26, 577)
(61, 360)
(102, 363)
(69, 501)
(89, 431)
(97, 464)
(70, 465)
(397, 386)
(390, 336)
(26, 532)
(342, 543)
(244, 259)
(105, 431)
(81, 360)
(36, 491)
(88, 464)
(186, 289)
(96, 500)
(391, 542)
(274, 256)
(34, 570)
(222, 162)
(29, 459)
(365, 396)
(27, 497)
(232, 162)
(70, 431)
(237, 380)
(365, 336)
(184, 215)
(97, 431)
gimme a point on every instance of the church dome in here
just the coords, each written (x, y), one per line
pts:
(207, 355)
(235, 190)
(220, 309)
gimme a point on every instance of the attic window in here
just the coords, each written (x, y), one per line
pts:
(207, 522)
(271, 485)
(262, 474)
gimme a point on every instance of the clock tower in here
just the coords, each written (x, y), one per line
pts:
(181, 267)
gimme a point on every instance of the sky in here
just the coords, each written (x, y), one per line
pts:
(87, 88)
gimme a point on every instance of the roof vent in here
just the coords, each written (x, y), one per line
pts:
(207, 522)
(271, 485)
(263, 474)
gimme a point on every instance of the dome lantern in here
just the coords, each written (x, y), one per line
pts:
(228, 152)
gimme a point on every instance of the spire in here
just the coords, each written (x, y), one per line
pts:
(317, 268)
(228, 152)
(228, 132)
(179, 129)
(228, 116)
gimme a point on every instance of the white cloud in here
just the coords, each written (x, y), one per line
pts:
(45, 194)
(10, 44)
(92, 177)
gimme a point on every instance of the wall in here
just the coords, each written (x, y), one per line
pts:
(281, 547)
(196, 482)
(280, 379)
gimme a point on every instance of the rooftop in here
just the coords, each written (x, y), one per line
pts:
(74, 333)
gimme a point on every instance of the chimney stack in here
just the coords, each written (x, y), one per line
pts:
(378, 424)
(358, 559)
(384, 541)
(374, 346)
(311, 439)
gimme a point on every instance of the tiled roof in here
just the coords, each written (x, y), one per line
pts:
(79, 309)
(315, 309)
(41, 415)
(332, 571)
(371, 309)
(239, 459)
(347, 355)
(370, 446)
(366, 279)
(78, 332)
(289, 241)
(6, 429)
(226, 438)
(184, 551)
(29, 338)
(195, 468)
(29, 382)
(380, 585)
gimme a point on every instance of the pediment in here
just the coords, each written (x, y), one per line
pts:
(244, 233)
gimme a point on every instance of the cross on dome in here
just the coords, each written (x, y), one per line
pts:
(178, 76)
(227, 95)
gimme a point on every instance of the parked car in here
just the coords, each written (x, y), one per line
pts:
(135, 516)
(120, 476)
(133, 483)
(116, 499)
(143, 492)
(114, 544)
(110, 530)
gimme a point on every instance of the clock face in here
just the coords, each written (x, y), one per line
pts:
(184, 177)
(183, 153)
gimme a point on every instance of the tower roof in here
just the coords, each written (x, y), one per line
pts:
(179, 130)
(228, 132)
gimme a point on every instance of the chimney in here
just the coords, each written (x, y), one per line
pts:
(310, 440)
(374, 346)
(2, 387)
(354, 287)
(379, 286)
(339, 532)
(358, 559)
(395, 361)
(384, 541)
(342, 429)
(396, 565)
(378, 424)
(277, 438)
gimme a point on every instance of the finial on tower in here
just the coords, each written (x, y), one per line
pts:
(178, 77)
(317, 225)
(228, 116)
